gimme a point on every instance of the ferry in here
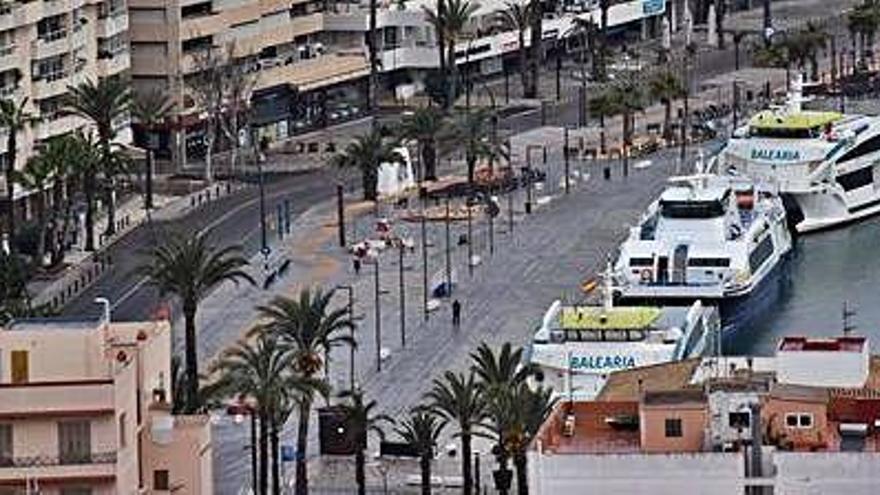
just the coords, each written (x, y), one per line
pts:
(576, 348)
(823, 163)
(707, 238)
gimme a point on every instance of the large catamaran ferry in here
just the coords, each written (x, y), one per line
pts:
(823, 163)
(577, 347)
(707, 238)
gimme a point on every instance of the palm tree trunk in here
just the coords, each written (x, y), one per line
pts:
(41, 220)
(359, 474)
(429, 160)
(10, 186)
(263, 482)
(368, 181)
(522, 477)
(276, 465)
(89, 189)
(148, 181)
(471, 166)
(537, 48)
(523, 65)
(209, 150)
(192, 365)
(623, 148)
(667, 120)
(425, 466)
(604, 5)
(466, 476)
(374, 63)
(302, 441)
(111, 207)
(452, 83)
(603, 147)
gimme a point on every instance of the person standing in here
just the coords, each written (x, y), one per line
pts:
(456, 314)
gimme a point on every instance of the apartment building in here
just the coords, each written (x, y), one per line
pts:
(307, 72)
(806, 420)
(84, 409)
(46, 46)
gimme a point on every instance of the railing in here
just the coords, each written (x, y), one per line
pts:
(58, 460)
(7, 50)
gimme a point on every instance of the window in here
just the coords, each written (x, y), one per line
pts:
(20, 367)
(760, 254)
(74, 442)
(869, 146)
(196, 10)
(707, 262)
(5, 445)
(691, 209)
(76, 490)
(196, 44)
(673, 428)
(122, 431)
(799, 420)
(738, 419)
(854, 180)
(641, 262)
(160, 479)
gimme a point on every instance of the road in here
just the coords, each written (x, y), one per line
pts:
(230, 220)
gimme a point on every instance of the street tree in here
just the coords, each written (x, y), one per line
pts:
(518, 17)
(86, 161)
(310, 328)
(35, 177)
(361, 417)
(367, 153)
(150, 110)
(105, 103)
(424, 126)
(190, 267)
(536, 33)
(665, 86)
(450, 19)
(13, 119)
(473, 131)
(626, 97)
(459, 399)
(421, 431)
(14, 297)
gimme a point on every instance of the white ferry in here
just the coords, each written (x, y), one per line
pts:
(707, 238)
(823, 163)
(577, 347)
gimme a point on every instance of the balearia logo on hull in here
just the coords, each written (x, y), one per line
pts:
(602, 362)
(772, 155)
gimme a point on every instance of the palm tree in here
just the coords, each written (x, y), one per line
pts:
(35, 177)
(149, 110)
(13, 118)
(813, 38)
(367, 153)
(373, 49)
(602, 52)
(86, 162)
(497, 375)
(537, 38)
(104, 103)
(460, 400)
(190, 268)
(518, 17)
(450, 20)
(362, 419)
(530, 409)
(436, 18)
(14, 298)
(601, 108)
(310, 329)
(666, 87)
(625, 98)
(423, 126)
(473, 131)
(421, 431)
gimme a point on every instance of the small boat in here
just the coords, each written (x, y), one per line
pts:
(578, 346)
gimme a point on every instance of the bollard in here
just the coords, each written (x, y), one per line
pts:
(606, 172)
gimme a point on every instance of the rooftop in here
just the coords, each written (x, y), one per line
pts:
(627, 385)
(617, 318)
(770, 119)
(598, 427)
(674, 397)
(839, 344)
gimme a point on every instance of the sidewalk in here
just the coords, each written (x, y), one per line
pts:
(84, 268)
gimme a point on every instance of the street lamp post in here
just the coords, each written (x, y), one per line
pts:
(238, 410)
(470, 238)
(352, 345)
(400, 247)
(378, 312)
(340, 212)
(424, 263)
(565, 159)
(448, 252)
(264, 243)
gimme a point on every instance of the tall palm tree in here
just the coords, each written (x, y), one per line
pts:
(602, 51)
(367, 153)
(530, 408)
(601, 108)
(423, 126)
(666, 87)
(460, 400)
(310, 328)
(449, 20)
(363, 420)
(150, 109)
(35, 177)
(814, 39)
(518, 17)
(104, 102)
(497, 375)
(436, 17)
(190, 268)
(626, 97)
(373, 50)
(536, 34)
(421, 431)
(86, 161)
(13, 118)
(14, 298)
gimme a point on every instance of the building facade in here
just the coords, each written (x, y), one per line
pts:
(47, 46)
(84, 409)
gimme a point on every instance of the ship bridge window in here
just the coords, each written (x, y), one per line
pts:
(785, 133)
(691, 209)
(869, 146)
(760, 254)
(854, 180)
(709, 262)
(641, 262)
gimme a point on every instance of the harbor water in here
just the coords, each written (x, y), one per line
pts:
(825, 271)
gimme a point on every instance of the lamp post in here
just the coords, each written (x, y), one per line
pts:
(565, 159)
(238, 410)
(375, 257)
(448, 252)
(401, 245)
(470, 236)
(424, 263)
(264, 243)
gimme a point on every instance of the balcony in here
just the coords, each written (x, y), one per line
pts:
(316, 72)
(49, 85)
(9, 57)
(48, 399)
(409, 57)
(115, 23)
(50, 45)
(114, 64)
(95, 466)
(56, 126)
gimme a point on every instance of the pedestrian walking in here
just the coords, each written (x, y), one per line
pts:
(357, 265)
(456, 314)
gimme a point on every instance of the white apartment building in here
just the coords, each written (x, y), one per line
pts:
(46, 46)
